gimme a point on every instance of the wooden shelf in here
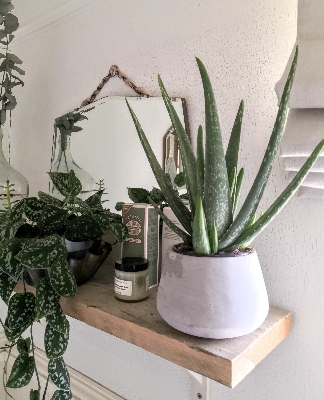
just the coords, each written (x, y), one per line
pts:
(226, 361)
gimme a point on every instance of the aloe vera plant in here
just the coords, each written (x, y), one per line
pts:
(213, 180)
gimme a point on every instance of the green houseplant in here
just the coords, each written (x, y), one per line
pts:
(32, 234)
(213, 234)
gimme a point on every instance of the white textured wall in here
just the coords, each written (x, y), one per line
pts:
(245, 46)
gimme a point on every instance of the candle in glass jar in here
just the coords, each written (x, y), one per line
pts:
(131, 279)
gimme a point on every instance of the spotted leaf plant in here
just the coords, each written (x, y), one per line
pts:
(214, 182)
(31, 235)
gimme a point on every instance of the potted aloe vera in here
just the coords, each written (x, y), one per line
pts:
(212, 285)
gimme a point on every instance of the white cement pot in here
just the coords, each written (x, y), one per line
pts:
(214, 297)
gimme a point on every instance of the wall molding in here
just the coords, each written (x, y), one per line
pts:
(53, 19)
(82, 387)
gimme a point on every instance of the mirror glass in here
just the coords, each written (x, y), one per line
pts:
(108, 146)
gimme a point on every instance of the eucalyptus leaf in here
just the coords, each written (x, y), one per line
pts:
(55, 342)
(7, 285)
(19, 70)
(47, 299)
(3, 33)
(62, 278)
(59, 374)
(21, 309)
(4, 8)
(11, 24)
(21, 372)
(58, 321)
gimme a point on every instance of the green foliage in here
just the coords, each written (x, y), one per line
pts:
(31, 238)
(9, 64)
(212, 225)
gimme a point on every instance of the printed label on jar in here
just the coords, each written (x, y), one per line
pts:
(123, 287)
(147, 283)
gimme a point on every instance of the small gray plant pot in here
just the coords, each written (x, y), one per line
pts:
(215, 297)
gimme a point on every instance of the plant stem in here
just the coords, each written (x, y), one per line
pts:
(33, 350)
(45, 390)
(5, 373)
(8, 195)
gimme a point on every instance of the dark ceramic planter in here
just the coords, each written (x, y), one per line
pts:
(84, 262)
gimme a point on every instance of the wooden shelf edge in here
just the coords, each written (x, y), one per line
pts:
(227, 361)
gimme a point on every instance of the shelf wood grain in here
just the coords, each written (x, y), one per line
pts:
(226, 361)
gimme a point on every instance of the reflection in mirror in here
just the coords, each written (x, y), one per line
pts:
(107, 147)
(172, 158)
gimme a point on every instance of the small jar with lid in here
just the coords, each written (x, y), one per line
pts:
(131, 279)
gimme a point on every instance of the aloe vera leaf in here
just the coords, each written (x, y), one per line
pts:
(200, 240)
(200, 161)
(232, 183)
(184, 235)
(239, 180)
(254, 196)
(281, 201)
(250, 224)
(177, 206)
(213, 240)
(217, 196)
(188, 157)
(233, 147)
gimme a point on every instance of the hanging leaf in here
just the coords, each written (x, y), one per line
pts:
(58, 321)
(9, 101)
(34, 395)
(3, 33)
(52, 219)
(21, 372)
(118, 230)
(42, 253)
(62, 395)
(84, 227)
(47, 299)
(8, 263)
(14, 58)
(19, 70)
(9, 230)
(14, 333)
(138, 195)
(20, 309)
(33, 208)
(4, 8)
(59, 374)
(17, 211)
(94, 202)
(23, 345)
(119, 205)
(55, 342)
(11, 24)
(48, 199)
(62, 278)
(7, 285)
(66, 184)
